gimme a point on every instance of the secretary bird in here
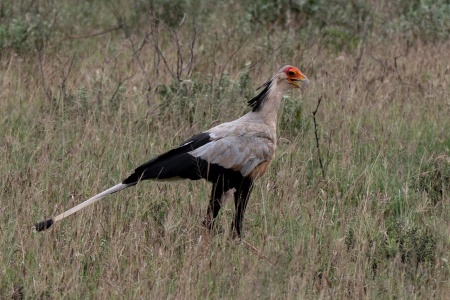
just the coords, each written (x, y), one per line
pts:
(231, 155)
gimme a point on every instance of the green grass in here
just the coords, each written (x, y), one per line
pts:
(375, 227)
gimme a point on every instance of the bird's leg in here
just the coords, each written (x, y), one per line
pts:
(240, 202)
(214, 205)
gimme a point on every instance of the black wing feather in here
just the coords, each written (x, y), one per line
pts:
(173, 163)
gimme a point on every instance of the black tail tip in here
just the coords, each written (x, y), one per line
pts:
(41, 226)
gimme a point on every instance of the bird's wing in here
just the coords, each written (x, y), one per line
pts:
(242, 153)
(238, 146)
(171, 164)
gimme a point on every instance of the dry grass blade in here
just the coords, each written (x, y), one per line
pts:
(258, 253)
(76, 124)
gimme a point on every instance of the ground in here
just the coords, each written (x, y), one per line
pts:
(89, 92)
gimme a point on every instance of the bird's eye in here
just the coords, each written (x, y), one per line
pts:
(291, 73)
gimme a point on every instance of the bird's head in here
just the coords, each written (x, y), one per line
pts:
(288, 77)
(291, 77)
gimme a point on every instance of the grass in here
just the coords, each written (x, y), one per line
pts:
(78, 114)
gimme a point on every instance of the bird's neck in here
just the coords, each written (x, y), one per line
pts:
(267, 112)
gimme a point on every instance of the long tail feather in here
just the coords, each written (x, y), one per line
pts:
(47, 223)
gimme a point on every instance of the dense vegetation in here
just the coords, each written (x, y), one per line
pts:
(90, 90)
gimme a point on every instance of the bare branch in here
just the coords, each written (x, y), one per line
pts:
(408, 46)
(182, 70)
(94, 34)
(65, 75)
(119, 85)
(358, 62)
(155, 44)
(317, 137)
(192, 56)
(230, 57)
(136, 55)
(41, 59)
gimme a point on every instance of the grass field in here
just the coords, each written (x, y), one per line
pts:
(90, 91)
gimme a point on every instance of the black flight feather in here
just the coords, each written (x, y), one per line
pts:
(258, 100)
(174, 163)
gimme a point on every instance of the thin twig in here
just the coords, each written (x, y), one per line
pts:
(136, 55)
(65, 75)
(358, 62)
(94, 34)
(257, 252)
(405, 54)
(317, 137)
(161, 55)
(181, 65)
(41, 59)
(408, 46)
(119, 85)
(190, 65)
(270, 54)
(222, 73)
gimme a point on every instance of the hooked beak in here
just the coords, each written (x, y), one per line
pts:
(299, 83)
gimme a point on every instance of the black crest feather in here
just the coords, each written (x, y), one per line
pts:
(258, 100)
